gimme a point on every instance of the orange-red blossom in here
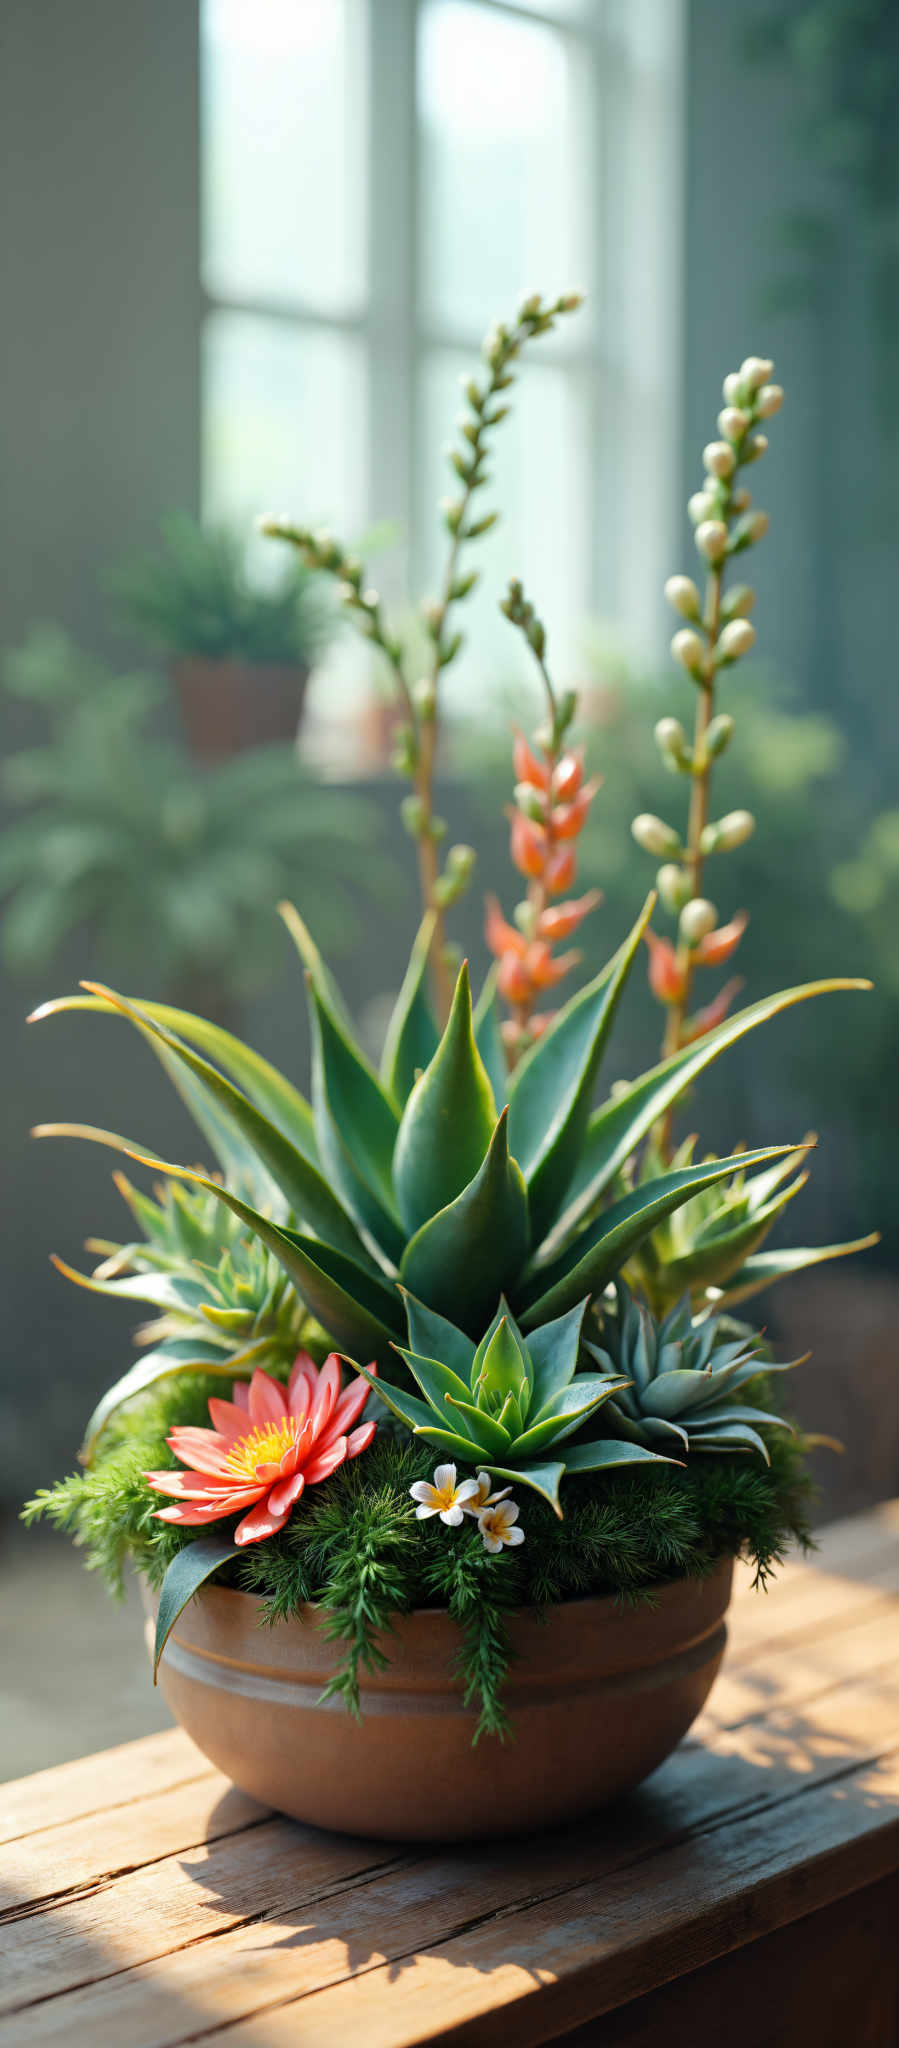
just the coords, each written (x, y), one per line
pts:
(553, 803)
(669, 972)
(265, 1446)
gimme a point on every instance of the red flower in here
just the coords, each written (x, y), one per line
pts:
(527, 766)
(568, 775)
(665, 974)
(528, 846)
(266, 1445)
(560, 870)
(501, 936)
(559, 920)
(569, 819)
(718, 946)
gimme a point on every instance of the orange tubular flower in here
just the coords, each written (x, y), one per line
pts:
(544, 971)
(665, 974)
(559, 920)
(527, 767)
(718, 946)
(514, 982)
(528, 846)
(567, 820)
(560, 870)
(501, 936)
(714, 1012)
(265, 1446)
(569, 775)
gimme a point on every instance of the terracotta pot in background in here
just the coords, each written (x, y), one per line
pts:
(599, 1695)
(228, 706)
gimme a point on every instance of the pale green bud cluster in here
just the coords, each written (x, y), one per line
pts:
(716, 636)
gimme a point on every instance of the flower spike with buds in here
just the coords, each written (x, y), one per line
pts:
(718, 636)
(552, 804)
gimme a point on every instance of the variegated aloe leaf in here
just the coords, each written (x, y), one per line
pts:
(764, 1268)
(448, 1122)
(412, 1035)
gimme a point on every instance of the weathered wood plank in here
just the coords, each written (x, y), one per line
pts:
(539, 1972)
(117, 1777)
(98, 1845)
(742, 1788)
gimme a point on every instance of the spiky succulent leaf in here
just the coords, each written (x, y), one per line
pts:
(764, 1268)
(552, 1090)
(432, 1335)
(355, 1126)
(616, 1128)
(188, 1571)
(412, 1035)
(681, 1377)
(447, 1123)
(587, 1265)
(489, 1039)
(301, 1184)
(264, 1085)
(484, 1235)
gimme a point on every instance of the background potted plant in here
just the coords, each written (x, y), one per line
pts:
(173, 867)
(240, 651)
(438, 1412)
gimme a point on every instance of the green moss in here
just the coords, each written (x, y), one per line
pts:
(355, 1543)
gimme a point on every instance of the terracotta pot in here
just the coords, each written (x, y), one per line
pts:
(228, 706)
(599, 1696)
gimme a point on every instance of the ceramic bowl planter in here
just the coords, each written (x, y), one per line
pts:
(228, 706)
(599, 1696)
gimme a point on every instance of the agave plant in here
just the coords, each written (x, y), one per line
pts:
(510, 1404)
(711, 1246)
(677, 1384)
(225, 1305)
(442, 1172)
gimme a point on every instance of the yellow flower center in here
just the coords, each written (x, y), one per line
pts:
(263, 1447)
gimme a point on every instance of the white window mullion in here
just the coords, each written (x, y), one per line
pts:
(392, 253)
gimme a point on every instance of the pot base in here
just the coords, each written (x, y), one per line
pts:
(598, 1696)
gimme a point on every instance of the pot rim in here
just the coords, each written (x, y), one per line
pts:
(657, 1587)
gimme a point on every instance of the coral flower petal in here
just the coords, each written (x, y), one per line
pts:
(326, 1393)
(302, 1384)
(240, 1395)
(189, 1512)
(359, 1439)
(200, 1447)
(228, 1419)
(351, 1404)
(323, 1463)
(268, 1402)
(286, 1492)
(260, 1522)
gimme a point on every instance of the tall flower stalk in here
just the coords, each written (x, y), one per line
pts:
(417, 740)
(552, 803)
(717, 635)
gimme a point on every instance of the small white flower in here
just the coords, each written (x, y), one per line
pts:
(497, 1525)
(483, 1498)
(445, 1498)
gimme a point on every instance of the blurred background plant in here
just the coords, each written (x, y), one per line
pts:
(195, 594)
(174, 869)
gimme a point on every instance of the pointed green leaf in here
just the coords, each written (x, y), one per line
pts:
(447, 1123)
(160, 1290)
(431, 1336)
(315, 966)
(299, 1181)
(553, 1350)
(764, 1268)
(177, 1356)
(262, 1082)
(593, 1259)
(571, 1408)
(732, 1436)
(489, 1040)
(608, 1452)
(186, 1574)
(713, 1259)
(479, 1243)
(438, 1382)
(452, 1442)
(552, 1089)
(355, 1126)
(489, 1434)
(412, 1035)
(356, 1309)
(504, 1368)
(618, 1125)
(763, 1186)
(408, 1408)
(544, 1479)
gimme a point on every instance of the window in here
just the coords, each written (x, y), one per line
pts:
(380, 179)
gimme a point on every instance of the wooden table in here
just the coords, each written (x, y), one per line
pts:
(751, 1886)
